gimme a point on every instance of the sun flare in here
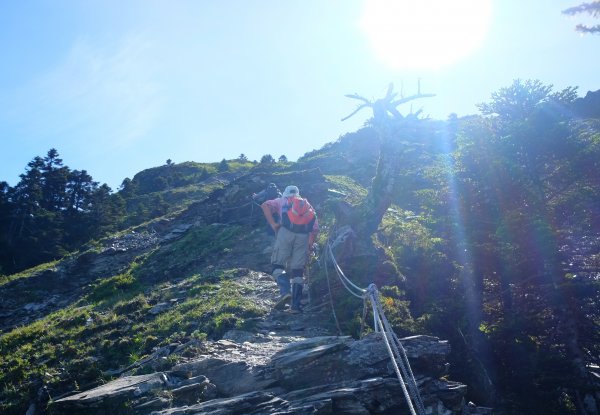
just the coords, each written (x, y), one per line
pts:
(425, 34)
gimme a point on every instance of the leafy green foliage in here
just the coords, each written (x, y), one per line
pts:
(346, 188)
(223, 166)
(516, 182)
(502, 202)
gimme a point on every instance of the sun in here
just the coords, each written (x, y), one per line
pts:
(425, 34)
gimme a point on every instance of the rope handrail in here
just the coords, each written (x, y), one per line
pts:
(381, 324)
(345, 280)
(337, 324)
(395, 364)
(398, 349)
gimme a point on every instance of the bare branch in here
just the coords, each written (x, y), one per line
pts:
(389, 94)
(410, 98)
(356, 96)
(355, 111)
(395, 112)
(382, 108)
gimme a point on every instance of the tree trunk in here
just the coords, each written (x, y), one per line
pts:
(588, 389)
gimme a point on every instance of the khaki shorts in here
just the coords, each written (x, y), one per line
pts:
(290, 249)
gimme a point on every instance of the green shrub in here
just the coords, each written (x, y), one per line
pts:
(111, 287)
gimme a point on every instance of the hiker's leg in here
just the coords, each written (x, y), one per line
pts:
(281, 253)
(297, 284)
(299, 251)
(284, 243)
(297, 261)
(282, 279)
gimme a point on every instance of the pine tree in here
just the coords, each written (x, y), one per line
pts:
(128, 188)
(54, 181)
(80, 187)
(267, 159)
(6, 212)
(517, 173)
(50, 211)
(593, 9)
(223, 166)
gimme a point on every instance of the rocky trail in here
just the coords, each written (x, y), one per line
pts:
(291, 364)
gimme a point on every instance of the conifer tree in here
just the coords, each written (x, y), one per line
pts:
(592, 8)
(223, 166)
(267, 159)
(50, 211)
(54, 181)
(516, 169)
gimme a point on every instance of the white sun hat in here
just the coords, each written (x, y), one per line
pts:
(291, 191)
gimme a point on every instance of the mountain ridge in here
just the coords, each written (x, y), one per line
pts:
(205, 230)
(123, 304)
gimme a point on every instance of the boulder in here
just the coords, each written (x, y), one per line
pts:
(318, 375)
(113, 396)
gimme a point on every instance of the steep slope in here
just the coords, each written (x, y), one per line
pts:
(170, 188)
(165, 294)
(288, 363)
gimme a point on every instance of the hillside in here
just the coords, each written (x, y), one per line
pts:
(486, 258)
(161, 295)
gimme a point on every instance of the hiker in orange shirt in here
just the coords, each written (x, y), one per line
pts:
(296, 232)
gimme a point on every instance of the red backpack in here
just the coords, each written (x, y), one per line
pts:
(298, 215)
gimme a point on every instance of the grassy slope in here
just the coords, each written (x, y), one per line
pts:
(111, 326)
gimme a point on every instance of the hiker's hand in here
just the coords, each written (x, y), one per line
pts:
(275, 227)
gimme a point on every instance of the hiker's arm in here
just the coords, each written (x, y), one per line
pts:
(269, 216)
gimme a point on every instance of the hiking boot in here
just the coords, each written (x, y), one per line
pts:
(278, 272)
(283, 301)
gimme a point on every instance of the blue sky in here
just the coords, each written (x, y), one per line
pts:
(120, 86)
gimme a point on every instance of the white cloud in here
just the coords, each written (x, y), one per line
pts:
(99, 91)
